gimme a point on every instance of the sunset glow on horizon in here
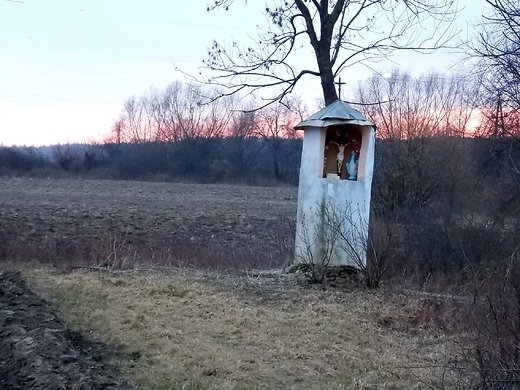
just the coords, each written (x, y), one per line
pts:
(66, 69)
(69, 121)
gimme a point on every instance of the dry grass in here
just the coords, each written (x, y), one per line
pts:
(193, 330)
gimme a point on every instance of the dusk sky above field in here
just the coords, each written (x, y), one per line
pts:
(67, 66)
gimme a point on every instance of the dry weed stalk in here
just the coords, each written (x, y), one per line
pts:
(496, 323)
(371, 248)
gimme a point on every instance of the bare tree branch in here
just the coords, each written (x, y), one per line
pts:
(340, 34)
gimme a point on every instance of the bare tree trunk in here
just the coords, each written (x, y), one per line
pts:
(327, 82)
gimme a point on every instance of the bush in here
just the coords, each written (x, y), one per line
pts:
(495, 324)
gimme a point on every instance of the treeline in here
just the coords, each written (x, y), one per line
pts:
(200, 160)
(203, 138)
(180, 133)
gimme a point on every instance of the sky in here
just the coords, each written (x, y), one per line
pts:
(67, 66)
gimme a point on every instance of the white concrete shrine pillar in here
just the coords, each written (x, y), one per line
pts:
(335, 187)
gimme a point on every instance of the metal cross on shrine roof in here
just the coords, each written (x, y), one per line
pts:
(339, 84)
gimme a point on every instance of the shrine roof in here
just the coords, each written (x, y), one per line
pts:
(337, 113)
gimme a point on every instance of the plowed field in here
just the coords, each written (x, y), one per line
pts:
(97, 222)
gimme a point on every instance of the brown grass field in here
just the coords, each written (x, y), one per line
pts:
(133, 285)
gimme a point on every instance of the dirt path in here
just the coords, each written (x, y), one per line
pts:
(37, 351)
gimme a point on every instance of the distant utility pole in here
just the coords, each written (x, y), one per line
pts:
(339, 84)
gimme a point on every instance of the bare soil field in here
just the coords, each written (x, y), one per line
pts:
(215, 226)
(107, 304)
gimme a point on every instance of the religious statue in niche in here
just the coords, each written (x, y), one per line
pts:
(352, 163)
(340, 157)
(345, 146)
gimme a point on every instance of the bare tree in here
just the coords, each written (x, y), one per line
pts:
(171, 98)
(341, 33)
(177, 113)
(497, 45)
(134, 125)
(151, 102)
(116, 132)
(418, 118)
(275, 125)
(404, 107)
(218, 116)
(243, 149)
